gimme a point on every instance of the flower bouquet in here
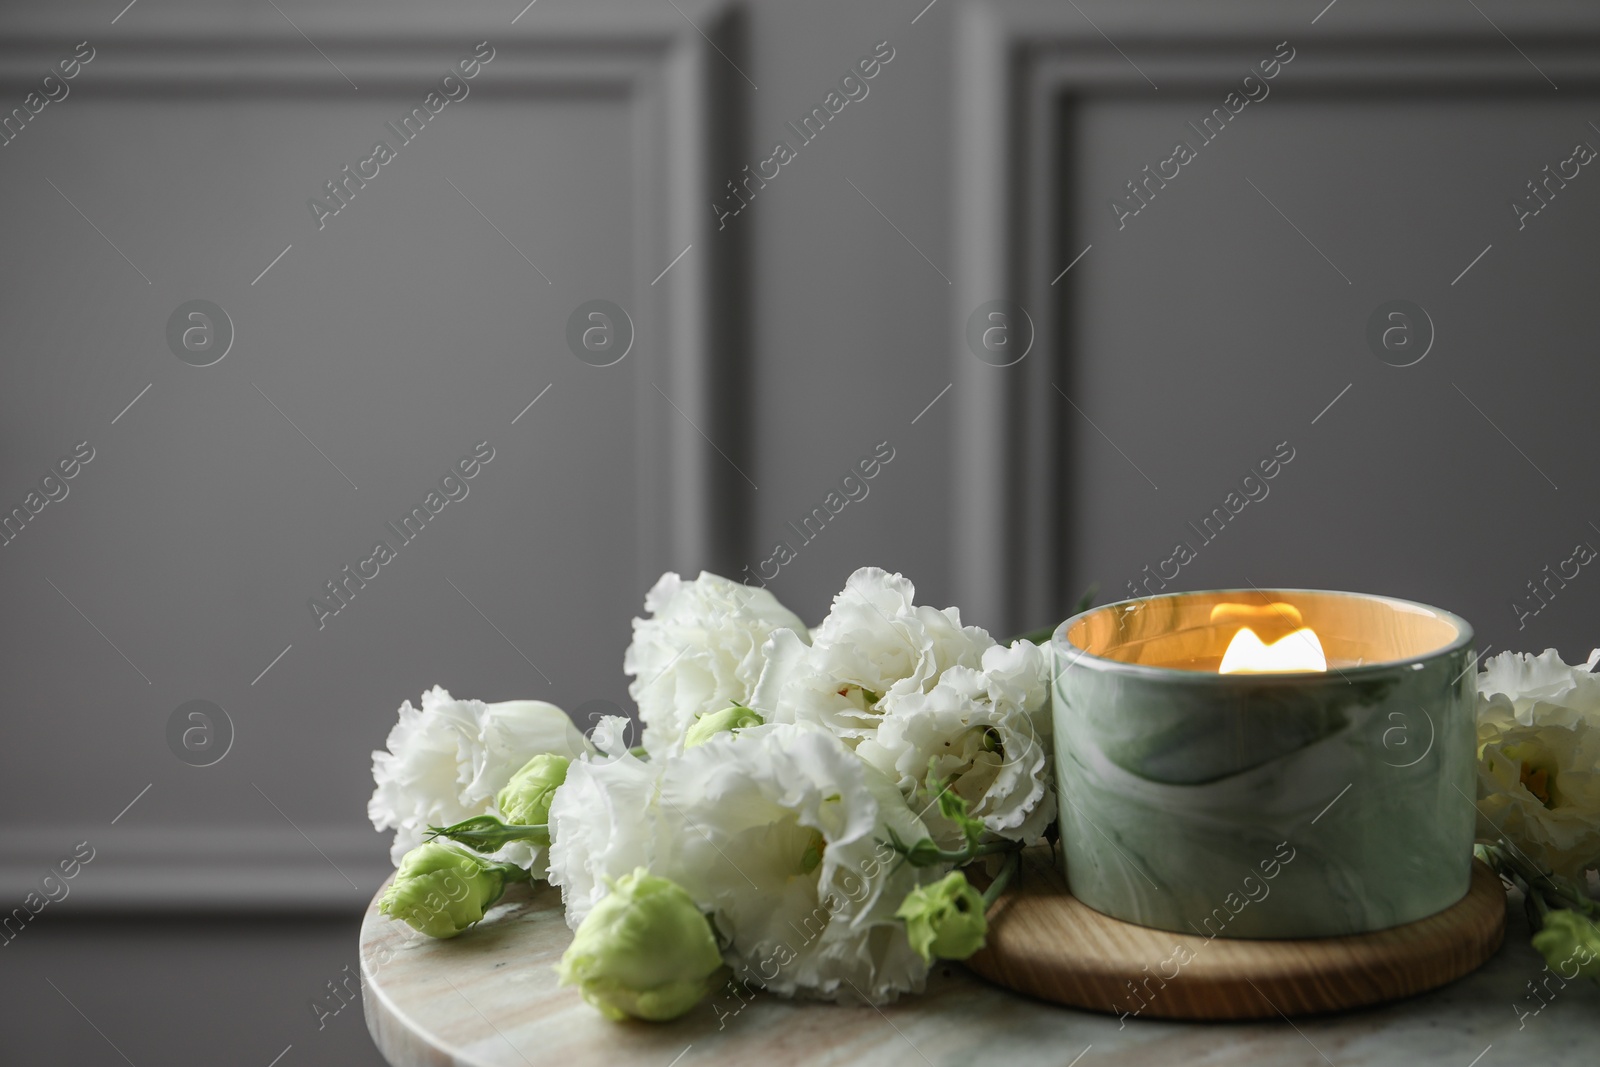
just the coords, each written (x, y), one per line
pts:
(802, 809)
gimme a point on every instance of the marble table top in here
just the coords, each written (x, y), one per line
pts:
(489, 998)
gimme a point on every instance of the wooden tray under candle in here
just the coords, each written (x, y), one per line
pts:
(1046, 943)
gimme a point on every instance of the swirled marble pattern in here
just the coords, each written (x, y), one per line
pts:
(1250, 806)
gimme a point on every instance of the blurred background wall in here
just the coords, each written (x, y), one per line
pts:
(1188, 322)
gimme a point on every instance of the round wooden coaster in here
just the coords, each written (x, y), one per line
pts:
(1046, 943)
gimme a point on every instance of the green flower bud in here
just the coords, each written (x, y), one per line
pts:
(440, 889)
(645, 950)
(485, 833)
(944, 919)
(708, 726)
(526, 798)
(1570, 944)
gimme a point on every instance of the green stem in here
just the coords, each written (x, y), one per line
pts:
(1007, 870)
(966, 855)
(925, 854)
(1540, 906)
(509, 873)
(1540, 884)
(513, 873)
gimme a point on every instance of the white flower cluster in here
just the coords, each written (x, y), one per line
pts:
(781, 832)
(909, 687)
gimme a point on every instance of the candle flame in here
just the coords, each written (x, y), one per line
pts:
(1297, 651)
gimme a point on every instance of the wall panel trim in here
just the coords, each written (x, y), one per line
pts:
(1020, 67)
(670, 67)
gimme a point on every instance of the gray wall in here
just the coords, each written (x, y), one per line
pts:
(816, 323)
(784, 346)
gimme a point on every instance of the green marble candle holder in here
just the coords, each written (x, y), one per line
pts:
(1274, 805)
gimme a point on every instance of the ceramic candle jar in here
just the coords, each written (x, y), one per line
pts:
(1269, 805)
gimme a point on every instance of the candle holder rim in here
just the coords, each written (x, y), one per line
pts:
(1464, 638)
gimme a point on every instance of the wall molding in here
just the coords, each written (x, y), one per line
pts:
(256, 868)
(665, 65)
(1021, 67)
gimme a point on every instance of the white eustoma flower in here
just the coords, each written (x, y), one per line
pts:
(979, 731)
(446, 762)
(876, 646)
(1539, 787)
(1540, 688)
(603, 824)
(509, 734)
(780, 833)
(418, 778)
(699, 651)
(1539, 759)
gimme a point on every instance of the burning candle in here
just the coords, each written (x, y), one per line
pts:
(1202, 738)
(1298, 650)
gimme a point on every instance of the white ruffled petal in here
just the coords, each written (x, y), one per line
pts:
(781, 834)
(876, 646)
(602, 825)
(698, 652)
(509, 734)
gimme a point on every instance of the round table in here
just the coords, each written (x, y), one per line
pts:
(489, 998)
